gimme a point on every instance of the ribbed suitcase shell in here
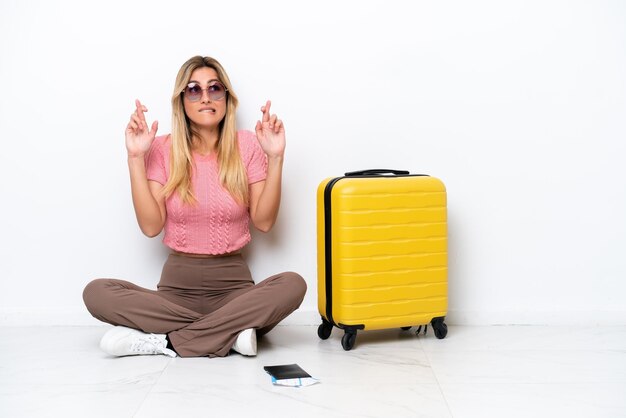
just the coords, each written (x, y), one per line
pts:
(386, 237)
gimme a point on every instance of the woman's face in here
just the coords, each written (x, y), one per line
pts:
(204, 109)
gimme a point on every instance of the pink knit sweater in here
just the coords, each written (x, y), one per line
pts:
(216, 224)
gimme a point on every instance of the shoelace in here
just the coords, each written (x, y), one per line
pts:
(151, 344)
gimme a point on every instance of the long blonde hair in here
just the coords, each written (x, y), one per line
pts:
(232, 174)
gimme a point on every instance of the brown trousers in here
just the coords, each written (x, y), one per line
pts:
(202, 304)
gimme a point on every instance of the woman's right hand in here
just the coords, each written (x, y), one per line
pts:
(138, 137)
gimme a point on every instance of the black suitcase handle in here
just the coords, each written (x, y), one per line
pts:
(376, 171)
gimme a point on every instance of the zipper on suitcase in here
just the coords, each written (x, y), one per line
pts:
(328, 249)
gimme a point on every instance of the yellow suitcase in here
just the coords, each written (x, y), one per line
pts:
(382, 253)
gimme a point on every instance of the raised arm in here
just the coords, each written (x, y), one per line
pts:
(265, 195)
(147, 200)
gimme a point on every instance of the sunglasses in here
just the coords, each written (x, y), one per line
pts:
(215, 90)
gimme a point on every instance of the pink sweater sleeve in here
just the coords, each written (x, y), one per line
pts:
(253, 157)
(156, 169)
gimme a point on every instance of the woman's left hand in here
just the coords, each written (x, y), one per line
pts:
(270, 132)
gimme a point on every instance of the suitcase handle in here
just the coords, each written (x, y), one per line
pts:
(376, 171)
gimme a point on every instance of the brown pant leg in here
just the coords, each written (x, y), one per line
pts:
(261, 306)
(119, 302)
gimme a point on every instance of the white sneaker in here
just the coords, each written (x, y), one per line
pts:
(123, 341)
(246, 342)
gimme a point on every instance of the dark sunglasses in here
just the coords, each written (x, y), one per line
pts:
(215, 90)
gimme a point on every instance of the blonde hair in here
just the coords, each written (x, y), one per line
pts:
(232, 174)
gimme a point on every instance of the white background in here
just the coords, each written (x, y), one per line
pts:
(519, 107)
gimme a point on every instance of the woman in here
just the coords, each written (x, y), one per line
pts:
(202, 184)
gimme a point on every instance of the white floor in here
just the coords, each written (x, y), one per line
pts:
(512, 371)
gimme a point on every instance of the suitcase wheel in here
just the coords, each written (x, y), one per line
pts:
(348, 339)
(440, 328)
(324, 330)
